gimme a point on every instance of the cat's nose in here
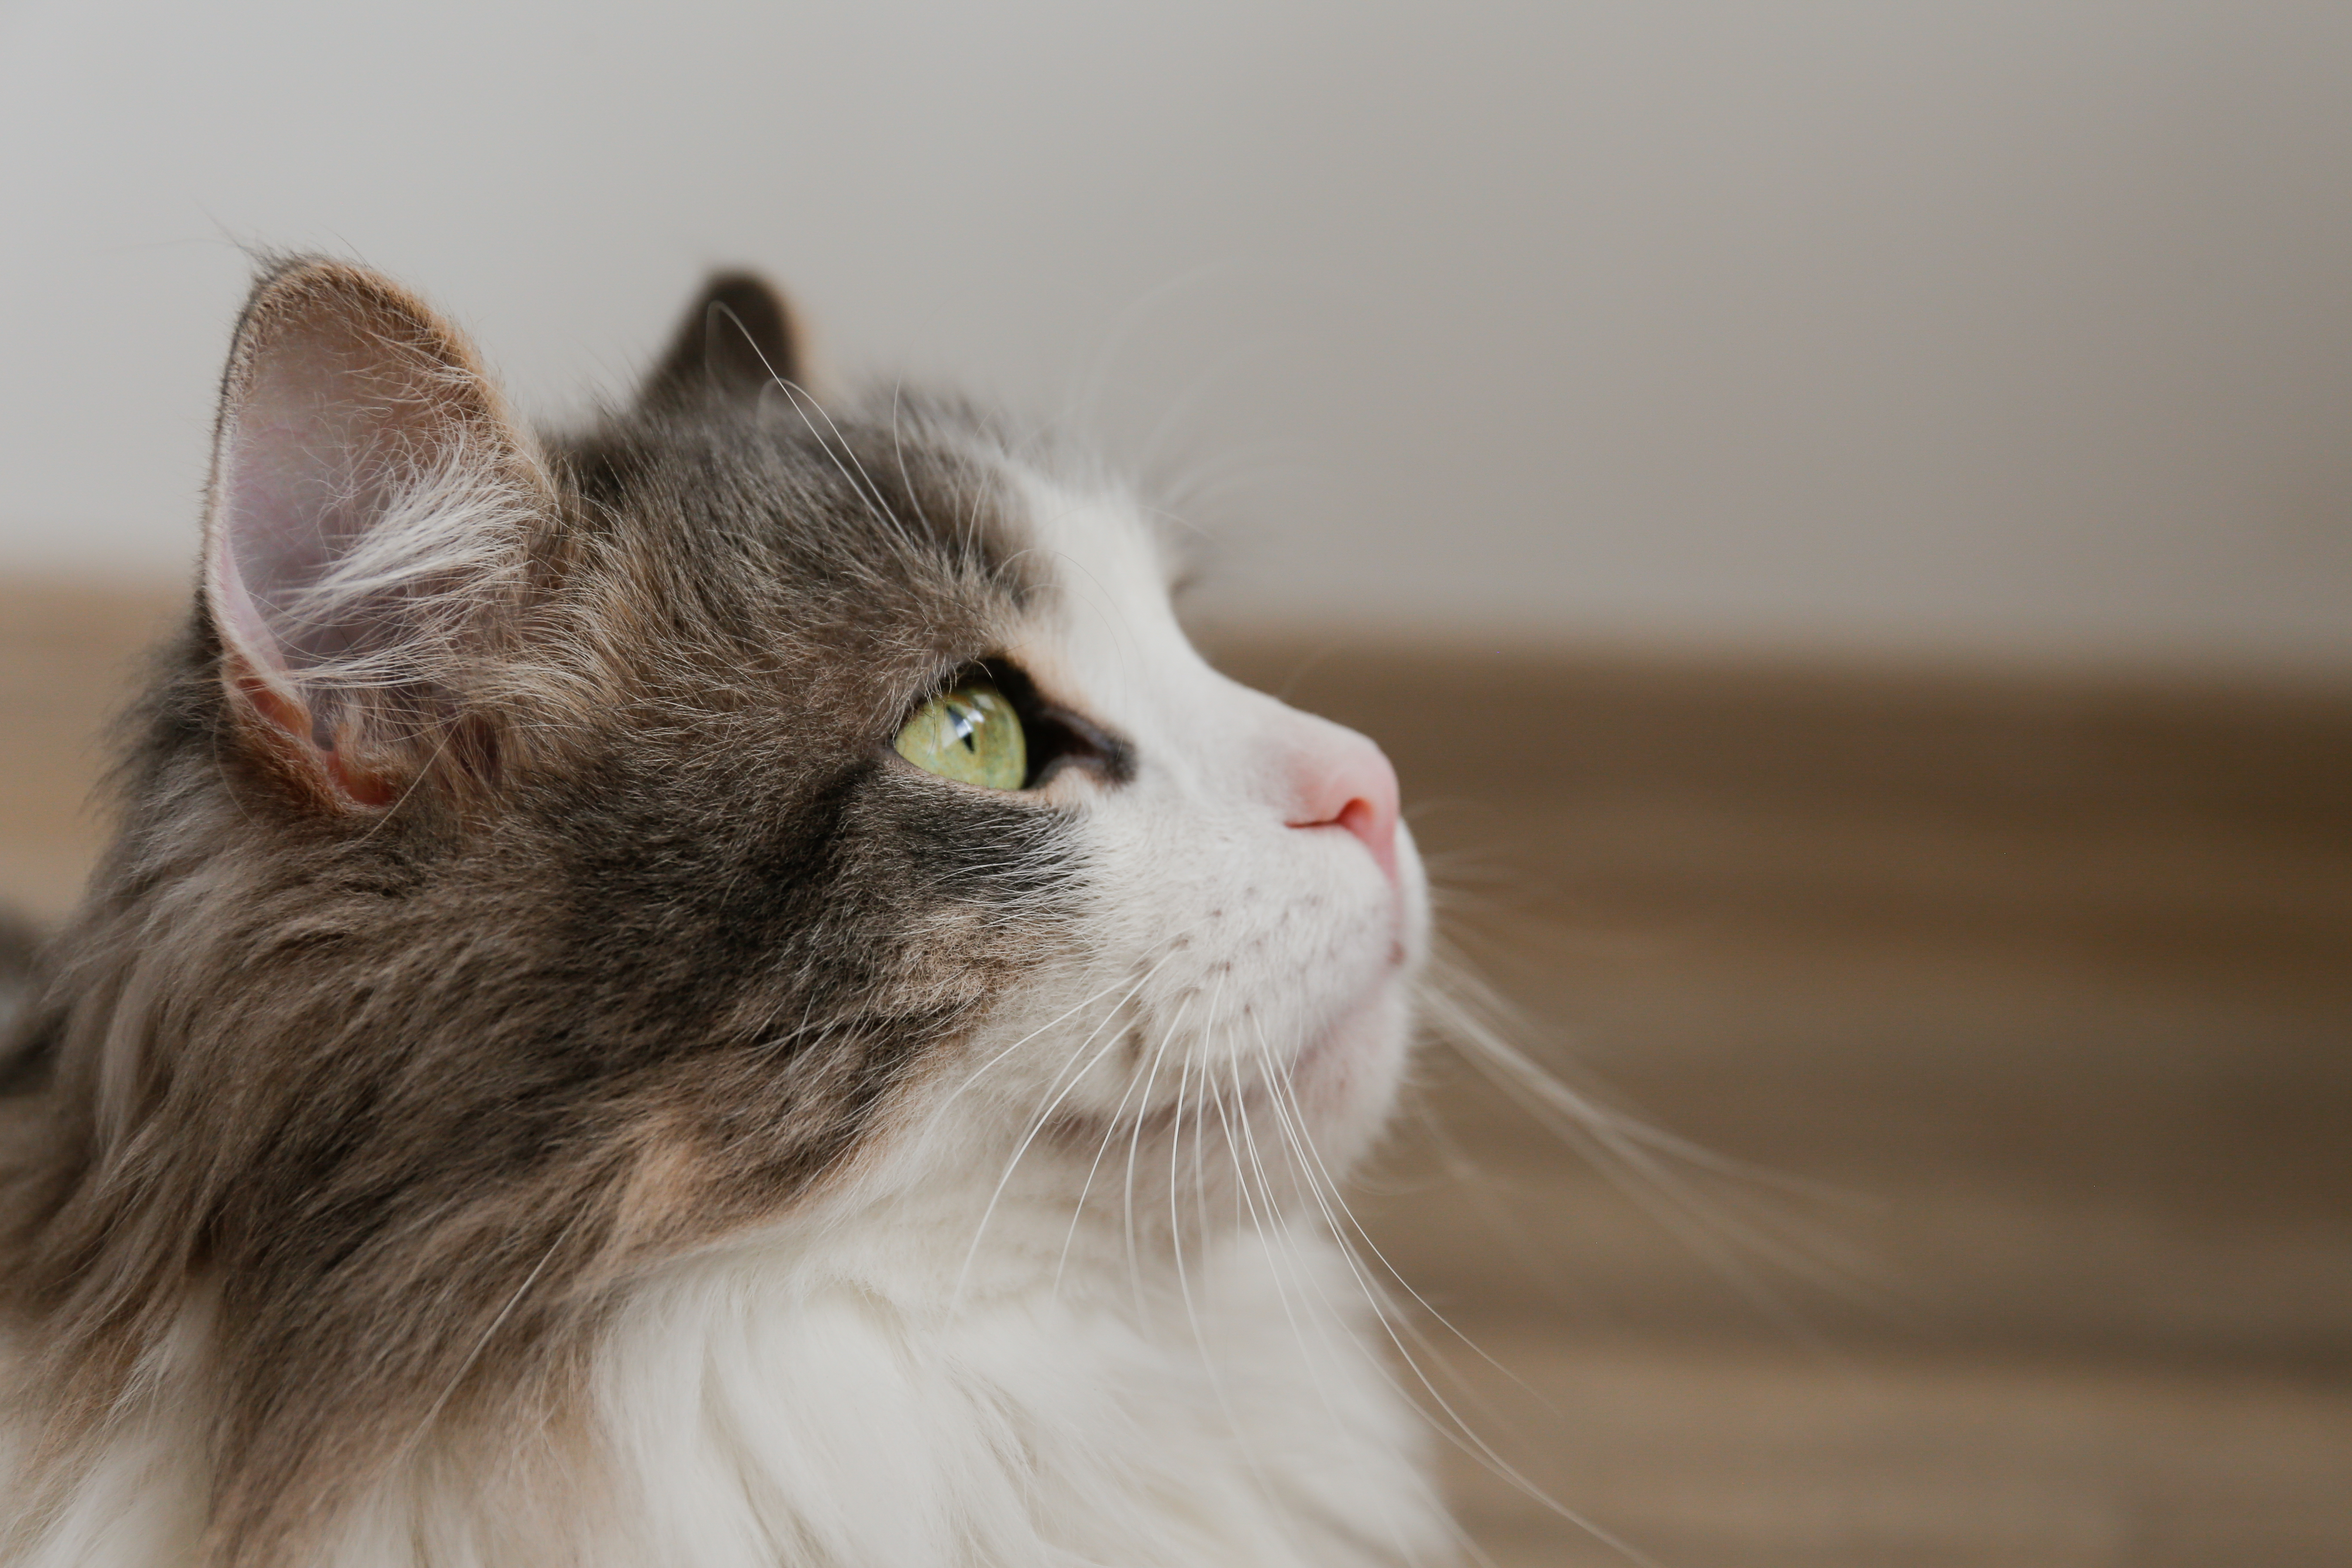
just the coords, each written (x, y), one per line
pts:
(1339, 779)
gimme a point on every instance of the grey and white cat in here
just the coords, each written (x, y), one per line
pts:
(721, 990)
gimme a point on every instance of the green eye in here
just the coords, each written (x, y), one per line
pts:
(970, 735)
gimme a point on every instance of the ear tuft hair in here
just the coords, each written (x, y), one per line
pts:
(371, 509)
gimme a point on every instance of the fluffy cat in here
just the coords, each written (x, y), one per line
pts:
(725, 989)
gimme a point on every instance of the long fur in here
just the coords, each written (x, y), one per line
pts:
(537, 1080)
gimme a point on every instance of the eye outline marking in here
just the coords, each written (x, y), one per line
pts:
(1058, 738)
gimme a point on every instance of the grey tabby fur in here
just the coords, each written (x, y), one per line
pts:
(646, 922)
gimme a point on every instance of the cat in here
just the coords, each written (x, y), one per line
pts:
(722, 988)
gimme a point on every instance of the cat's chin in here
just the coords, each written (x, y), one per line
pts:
(1346, 1080)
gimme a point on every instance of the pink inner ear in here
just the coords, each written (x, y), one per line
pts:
(335, 584)
(239, 620)
(310, 449)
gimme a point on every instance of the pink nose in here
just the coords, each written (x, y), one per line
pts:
(1341, 780)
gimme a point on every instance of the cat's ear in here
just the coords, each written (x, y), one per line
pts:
(738, 337)
(365, 543)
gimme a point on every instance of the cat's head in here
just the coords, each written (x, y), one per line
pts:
(750, 802)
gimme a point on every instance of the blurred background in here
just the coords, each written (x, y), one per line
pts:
(1841, 509)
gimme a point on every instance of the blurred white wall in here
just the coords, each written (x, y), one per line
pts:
(2019, 328)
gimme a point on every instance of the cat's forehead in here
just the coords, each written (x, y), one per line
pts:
(1101, 614)
(1091, 542)
(916, 527)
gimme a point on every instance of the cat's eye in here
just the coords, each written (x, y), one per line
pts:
(970, 734)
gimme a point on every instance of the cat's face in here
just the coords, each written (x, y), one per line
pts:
(571, 861)
(1233, 1020)
(1254, 907)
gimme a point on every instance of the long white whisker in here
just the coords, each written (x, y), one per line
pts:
(1110, 1136)
(1277, 1255)
(1637, 1176)
(871, 492)
(1453, 1428)
(1280, 1090)
(1037, 1123)
(974, 1075)
(1627, 1154)
(1134, 1142)
(795, 394)
(1184, 1279)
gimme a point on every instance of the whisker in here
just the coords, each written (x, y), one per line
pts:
(1453, 1428)
(1038, 1121)
(1275, 1255)
(1281, 1089)
(1635, 1169)
(869, 492)
(1134, 1142)
(1110, 1135)
(974, 1075)
(1183, 1277)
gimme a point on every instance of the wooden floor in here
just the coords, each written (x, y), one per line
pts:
(2009, 1021)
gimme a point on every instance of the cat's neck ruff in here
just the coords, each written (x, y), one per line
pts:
(1238, 1415)
(768, 1404)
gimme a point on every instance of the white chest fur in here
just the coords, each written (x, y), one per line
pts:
(1252, 1425)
